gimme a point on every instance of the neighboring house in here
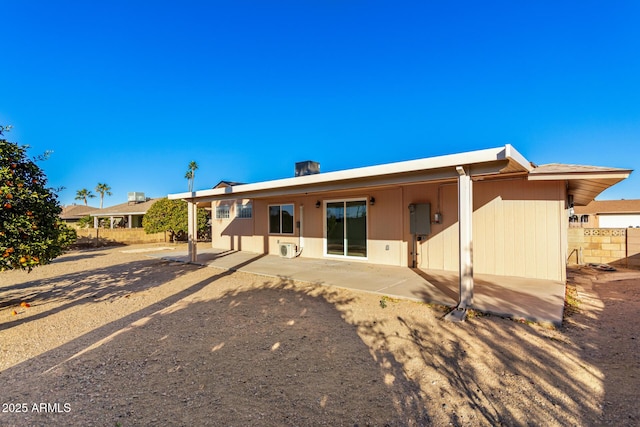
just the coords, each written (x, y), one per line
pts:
(607, 214)
(71, 214)
(125, 215)
(487, 211)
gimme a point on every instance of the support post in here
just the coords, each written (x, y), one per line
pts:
(192, 230)
(465, 247)
(130, 219)
(465, 221)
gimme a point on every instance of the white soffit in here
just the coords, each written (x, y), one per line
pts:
(584, 182)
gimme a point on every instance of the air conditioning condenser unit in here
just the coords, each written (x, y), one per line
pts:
(287, 250)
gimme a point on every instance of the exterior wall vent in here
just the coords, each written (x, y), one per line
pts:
(307, 168)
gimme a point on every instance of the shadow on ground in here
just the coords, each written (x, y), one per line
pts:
(273, 355)
(85, 286)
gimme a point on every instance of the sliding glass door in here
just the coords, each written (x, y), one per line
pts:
(346, 228)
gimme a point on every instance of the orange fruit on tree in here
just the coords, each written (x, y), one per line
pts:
(23, 260)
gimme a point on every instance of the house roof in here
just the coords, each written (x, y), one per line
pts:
(609, 207)
(224, 184)
(492, 161)
(128, 208)
(584, 182)
(72, 212)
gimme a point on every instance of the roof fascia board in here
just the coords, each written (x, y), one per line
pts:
(117, 213)
(333, 186)
(379, 173)
(578, 175)
(513, 154)
(408, 178)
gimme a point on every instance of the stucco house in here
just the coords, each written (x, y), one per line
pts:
(486, 211)
(607, 214)
(71, 214)
(125, 215)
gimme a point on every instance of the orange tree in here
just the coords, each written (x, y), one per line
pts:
(31, 232)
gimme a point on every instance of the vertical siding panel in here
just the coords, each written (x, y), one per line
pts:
(499, 234)
(541, 239)
(525, 235)
(530, 231)
(555, 252)
(510, 240)
(478, 249)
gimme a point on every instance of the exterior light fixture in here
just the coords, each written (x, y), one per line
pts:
(372, 201)
(318, 204)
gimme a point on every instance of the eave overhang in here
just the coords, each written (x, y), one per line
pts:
(481, 164)
(584, 183)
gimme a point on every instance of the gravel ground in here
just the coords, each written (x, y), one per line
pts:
(113, 338)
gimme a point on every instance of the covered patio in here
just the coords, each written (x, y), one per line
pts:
(520, 298)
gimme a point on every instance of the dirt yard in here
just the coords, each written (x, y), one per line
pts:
(115, 338)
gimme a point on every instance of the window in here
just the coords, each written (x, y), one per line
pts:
(584, 218)
(243, 211)
(222, 212)
(281, 219)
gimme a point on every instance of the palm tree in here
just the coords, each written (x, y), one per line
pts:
(103, 189)
(84, 194)
(191, 174)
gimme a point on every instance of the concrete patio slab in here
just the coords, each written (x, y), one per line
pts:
(530, 299)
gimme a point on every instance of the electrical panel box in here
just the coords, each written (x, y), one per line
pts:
(420, 219)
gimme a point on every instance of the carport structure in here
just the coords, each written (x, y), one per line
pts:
(487, 211)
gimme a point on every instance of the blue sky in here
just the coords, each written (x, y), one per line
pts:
(128, 92)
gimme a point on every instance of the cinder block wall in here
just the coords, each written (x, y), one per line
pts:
(119, 235)
(598, 245)
(633, 247)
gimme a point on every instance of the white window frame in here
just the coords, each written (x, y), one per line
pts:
(280, 205)
(324, 228)
(228, 210)
(242, 208)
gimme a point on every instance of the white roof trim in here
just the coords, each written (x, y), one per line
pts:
(427, 164)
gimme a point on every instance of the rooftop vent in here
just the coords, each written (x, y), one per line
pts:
(307, 168)
(136, 197)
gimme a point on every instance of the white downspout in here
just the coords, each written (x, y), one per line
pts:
(301, 231)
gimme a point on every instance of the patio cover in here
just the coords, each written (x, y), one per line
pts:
(584, 182)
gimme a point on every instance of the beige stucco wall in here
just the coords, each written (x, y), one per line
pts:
(519, 227)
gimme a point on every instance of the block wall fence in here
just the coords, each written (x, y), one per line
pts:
(105, 236)
(615, 246)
